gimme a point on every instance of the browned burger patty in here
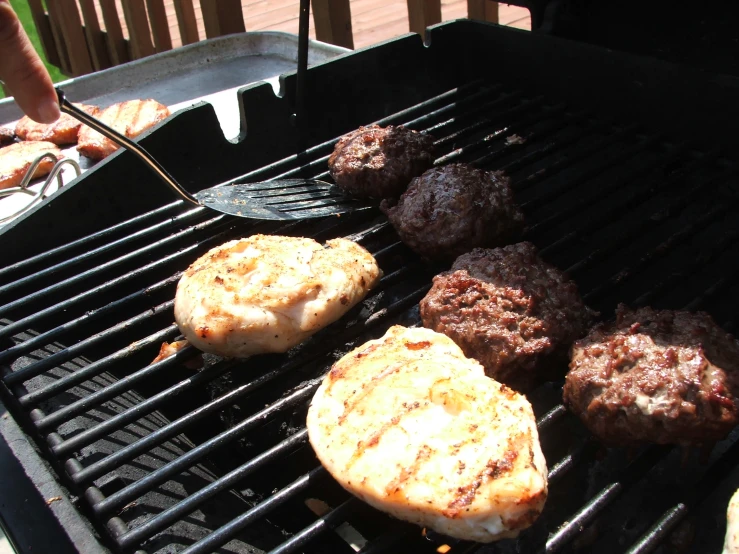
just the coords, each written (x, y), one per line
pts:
(450, 210)
(658, 376)
(379, 162)
(508, 309)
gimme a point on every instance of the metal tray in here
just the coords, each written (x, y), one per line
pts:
(211, 70)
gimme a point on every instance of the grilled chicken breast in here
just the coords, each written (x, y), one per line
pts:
(130, 118)
(268, 293)
(63, 131)
(414, 428)
(731, 542)
(16, 160)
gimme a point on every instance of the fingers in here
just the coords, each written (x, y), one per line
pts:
(23, 71)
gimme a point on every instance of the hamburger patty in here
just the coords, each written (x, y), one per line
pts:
(659, 376)
(449, 210)
(379, 162)
(509, 310)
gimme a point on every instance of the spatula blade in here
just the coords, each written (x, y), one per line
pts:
(284, 199)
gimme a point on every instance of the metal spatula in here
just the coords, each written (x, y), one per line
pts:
(282, 199)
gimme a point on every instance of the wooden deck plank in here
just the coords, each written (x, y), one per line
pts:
(372, 20)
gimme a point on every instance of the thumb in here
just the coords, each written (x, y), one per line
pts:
(23, 71)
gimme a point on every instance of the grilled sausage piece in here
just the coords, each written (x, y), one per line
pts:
(450, 210)
(267, 293)
(413, 428)
(511, 311)
(655, 376)
(379, 162)
(130, 118)
(16, 160)
(63, 131)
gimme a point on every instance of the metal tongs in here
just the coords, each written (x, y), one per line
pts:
(280, 199)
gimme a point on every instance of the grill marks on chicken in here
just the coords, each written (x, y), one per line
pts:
(63, 131)
(268, 293)
(414, 428)
(130, 118)
(16, 160)
(659, 376)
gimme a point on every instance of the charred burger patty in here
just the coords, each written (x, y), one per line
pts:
(659, 376)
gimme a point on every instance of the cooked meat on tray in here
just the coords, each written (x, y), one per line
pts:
(268, 293)
(655, 376)
(7, 136)
(449, 210)
(413, 428)
(510, 310)
(379, 162)
(731, 541)
(16, 160)
(63, 131)
(130, 118)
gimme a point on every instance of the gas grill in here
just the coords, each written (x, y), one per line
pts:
(620, 165)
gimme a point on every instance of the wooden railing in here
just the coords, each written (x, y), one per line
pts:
(73, 38)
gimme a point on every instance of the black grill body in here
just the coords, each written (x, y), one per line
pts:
(627, 179)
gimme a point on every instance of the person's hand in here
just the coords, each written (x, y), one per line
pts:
(23, 72)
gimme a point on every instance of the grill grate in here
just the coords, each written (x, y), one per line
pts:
(633, 216)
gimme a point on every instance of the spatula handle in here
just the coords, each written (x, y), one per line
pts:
(121, 140)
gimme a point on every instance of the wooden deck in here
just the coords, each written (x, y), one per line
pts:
(94, 34)
(372, 20)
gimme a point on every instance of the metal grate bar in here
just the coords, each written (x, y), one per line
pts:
(157, 437)
(53, 334)
(23, 323)
(87, 256)
(512, 127)
(589, 175)
(661, 250)
(454, 107)
(708, 483)
(600, 501)
(134, 490)
(691, 266)
(104, 234)
(582, 153)
(654, 187)
(604, 193)
(191, 503)
(94, 368)
(323, 523)
(225, 533)
(108, 265)
(111, 391)
(524, 105)
(58, 358)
